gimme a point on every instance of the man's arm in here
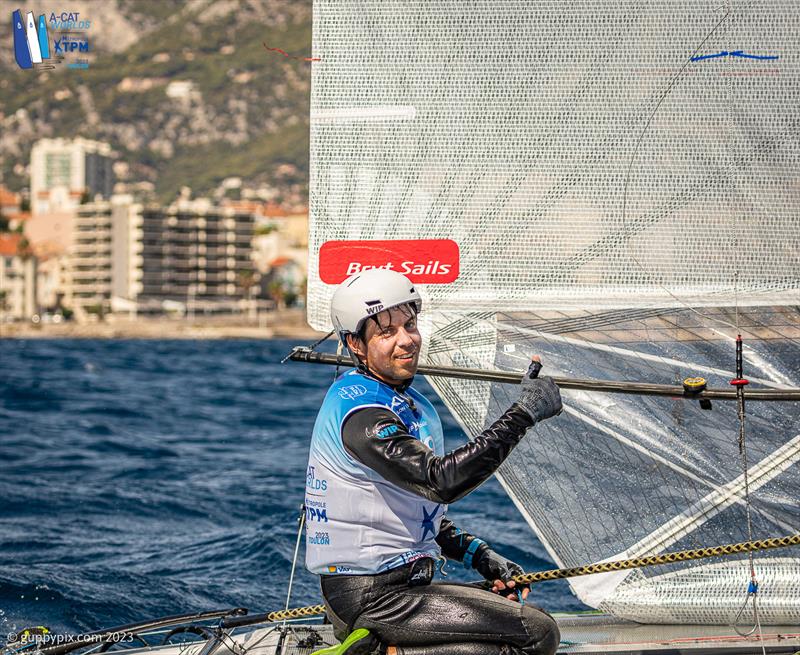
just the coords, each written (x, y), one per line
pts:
(408, 463)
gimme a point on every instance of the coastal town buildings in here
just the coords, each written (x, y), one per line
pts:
(50, 237)
(119, 255)
(17, 278)
(280, 251)
(66, 171)
(102, 262)
(122, 256)
(197, 254)
(99, 252)
(10, 203)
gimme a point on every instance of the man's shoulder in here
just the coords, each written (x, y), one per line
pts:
(356, 389)
(421, 399)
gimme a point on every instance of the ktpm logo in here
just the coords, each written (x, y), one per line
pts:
(423, 261)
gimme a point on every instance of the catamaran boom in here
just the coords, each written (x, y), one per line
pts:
(304, 354)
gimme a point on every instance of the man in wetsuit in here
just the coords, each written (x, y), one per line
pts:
(377, 489)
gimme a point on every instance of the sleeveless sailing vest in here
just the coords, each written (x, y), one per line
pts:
(356, 521)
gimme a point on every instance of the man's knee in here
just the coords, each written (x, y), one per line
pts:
(543, 630)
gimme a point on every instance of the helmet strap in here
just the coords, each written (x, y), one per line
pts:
(359, 365)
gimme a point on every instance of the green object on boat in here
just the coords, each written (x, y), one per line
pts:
(340, 649)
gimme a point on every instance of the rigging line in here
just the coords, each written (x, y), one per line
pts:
(599, 567)
(671, 84)
(739, 382)
(301, 522)
(655, 560)
(752, 590)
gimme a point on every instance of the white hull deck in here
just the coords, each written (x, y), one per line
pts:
(580, 633)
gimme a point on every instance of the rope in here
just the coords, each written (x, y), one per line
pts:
(296, 613)
(301, 523)
(601, 567)
(752, 589)
(666, 558)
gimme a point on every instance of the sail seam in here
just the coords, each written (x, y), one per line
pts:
(712, 504)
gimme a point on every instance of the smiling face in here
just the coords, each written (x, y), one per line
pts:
(390, 345)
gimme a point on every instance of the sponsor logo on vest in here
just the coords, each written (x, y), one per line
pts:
(351, 392)
(388, 431)
(339, 569)
(314, 483)
(427, 521)
(320, 539)
(416, 426)
(397, 401)
(314, 514)
(412, 556)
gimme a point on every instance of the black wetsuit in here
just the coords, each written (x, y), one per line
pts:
(401, 607)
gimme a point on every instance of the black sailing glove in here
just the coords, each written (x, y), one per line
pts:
(539, 397)
(493, 566)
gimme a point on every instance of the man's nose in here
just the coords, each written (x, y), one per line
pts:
(404, 338)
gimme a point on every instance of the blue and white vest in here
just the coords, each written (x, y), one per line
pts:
(356, 521)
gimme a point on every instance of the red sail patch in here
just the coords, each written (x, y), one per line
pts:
(423, 261)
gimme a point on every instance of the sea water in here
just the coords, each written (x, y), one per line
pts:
(146, 478)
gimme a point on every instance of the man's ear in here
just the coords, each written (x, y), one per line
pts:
(357, 346)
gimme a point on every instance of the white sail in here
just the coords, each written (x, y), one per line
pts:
(621, 182)
(33, 39)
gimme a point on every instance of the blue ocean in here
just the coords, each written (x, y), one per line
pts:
(146, 478)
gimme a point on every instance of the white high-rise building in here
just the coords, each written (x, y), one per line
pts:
(103, 262)
(63, 170)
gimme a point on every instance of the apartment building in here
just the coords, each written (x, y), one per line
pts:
(195, 252)
(104, 261)
(64, 170)
(127, 257)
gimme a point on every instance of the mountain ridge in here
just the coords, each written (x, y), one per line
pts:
(237, 109)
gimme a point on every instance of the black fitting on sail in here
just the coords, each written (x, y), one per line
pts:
(694, 386)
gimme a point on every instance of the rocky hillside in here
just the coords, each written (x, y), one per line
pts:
(185, 92)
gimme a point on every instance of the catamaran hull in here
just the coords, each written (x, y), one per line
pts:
(584, 634)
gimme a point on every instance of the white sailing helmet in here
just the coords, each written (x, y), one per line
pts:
(368, 293)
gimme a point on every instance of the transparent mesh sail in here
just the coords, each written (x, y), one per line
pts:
(623, 182)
